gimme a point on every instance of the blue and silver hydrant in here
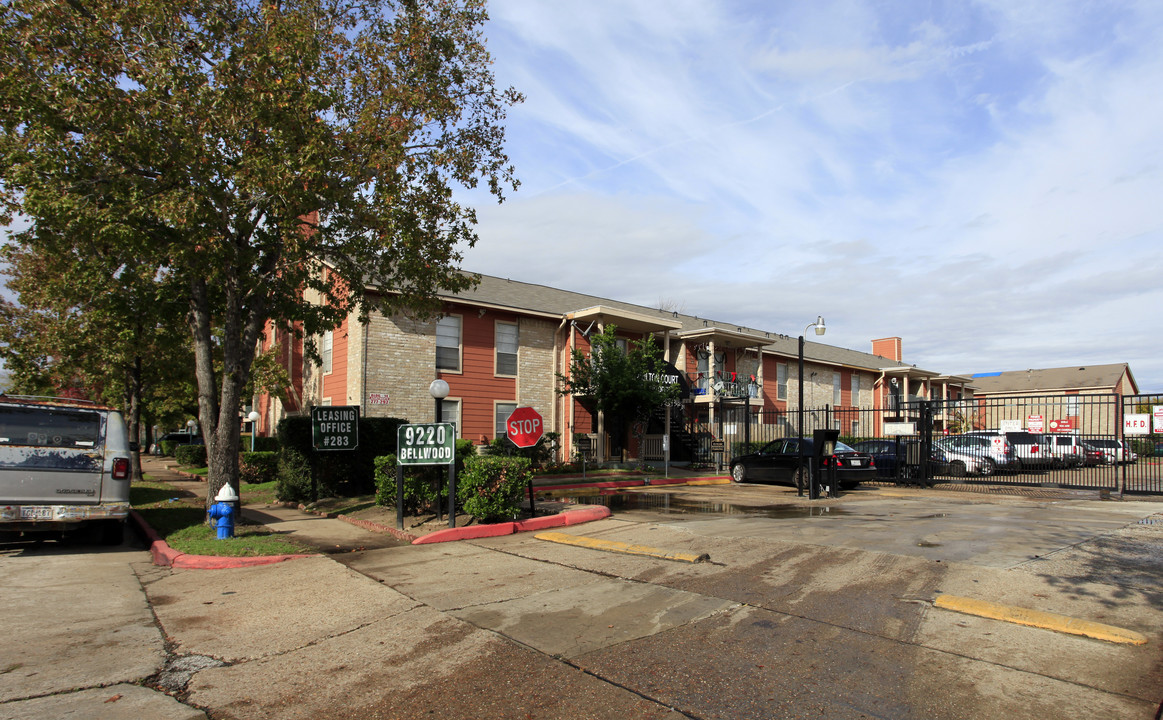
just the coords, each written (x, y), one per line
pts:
(222, 511)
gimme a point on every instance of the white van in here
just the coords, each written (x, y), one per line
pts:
(64, 466)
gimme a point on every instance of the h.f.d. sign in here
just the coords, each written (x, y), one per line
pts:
(524, 427)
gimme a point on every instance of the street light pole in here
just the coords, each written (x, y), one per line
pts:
(819, 326)
(438, 389)
(253, 418)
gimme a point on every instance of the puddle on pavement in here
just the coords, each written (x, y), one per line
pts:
(669, 504)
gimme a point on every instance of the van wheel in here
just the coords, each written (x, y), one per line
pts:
(957, 468)
(988, 467)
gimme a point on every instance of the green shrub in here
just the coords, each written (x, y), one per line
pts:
(262, 443)
(492, 488)
(539, 455)
(422, 485)
(294, 477)
(191, 455)
(167, 447)
(258, 467)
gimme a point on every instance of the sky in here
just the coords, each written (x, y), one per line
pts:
(981, 179)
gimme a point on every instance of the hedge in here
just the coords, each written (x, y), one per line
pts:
(306, 474)
(191, 455)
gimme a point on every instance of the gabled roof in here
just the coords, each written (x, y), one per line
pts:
(1089, 377)
(543, 300)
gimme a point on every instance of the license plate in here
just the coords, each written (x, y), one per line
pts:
(36, 513)
(854, 463)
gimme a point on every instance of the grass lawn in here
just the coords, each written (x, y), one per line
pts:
(180, 520)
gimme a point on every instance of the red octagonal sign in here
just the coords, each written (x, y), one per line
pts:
(524, 427)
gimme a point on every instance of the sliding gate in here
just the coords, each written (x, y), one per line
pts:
(1097, 419)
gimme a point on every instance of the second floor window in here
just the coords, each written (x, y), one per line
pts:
(448, 343)
(507, 344)
(781, 381)
(328, 345)
(836, 391)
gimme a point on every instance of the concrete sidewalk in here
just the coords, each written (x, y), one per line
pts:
(329, 534)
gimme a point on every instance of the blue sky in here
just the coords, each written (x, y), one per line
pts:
(982, 179)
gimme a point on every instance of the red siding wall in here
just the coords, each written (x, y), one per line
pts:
(476, 385)
(335, 382)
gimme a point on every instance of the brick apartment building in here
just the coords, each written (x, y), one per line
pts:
(501, 344)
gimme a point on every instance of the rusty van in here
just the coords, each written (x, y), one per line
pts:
(64, 468)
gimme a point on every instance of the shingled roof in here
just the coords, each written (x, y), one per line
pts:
(1089, 377)
(544, 300)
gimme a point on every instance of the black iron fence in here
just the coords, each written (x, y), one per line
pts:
(1106, 442)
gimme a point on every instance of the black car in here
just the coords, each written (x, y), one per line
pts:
(885, 454)
(177, 438)
(778, 461)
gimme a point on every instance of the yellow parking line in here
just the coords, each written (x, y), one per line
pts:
(620, 547)
(1039, 619)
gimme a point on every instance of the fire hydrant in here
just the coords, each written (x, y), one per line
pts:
(222, 511)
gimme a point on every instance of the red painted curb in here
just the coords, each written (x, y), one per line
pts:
(166, 556)
(376, 527)
(472, 532)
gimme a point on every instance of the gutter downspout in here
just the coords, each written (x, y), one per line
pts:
(557, 400)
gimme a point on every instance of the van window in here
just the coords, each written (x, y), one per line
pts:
(49, 428)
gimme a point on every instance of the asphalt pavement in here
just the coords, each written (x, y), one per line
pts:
(811, 615)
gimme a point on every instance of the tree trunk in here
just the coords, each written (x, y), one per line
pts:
(219, 399)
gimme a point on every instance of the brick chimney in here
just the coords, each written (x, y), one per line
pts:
(888, 347)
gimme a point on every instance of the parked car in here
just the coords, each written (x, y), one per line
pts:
(64, 467)
(777, 461)
(177, 438)
(1115, 450)
(960, 462)
(1092, 456)
(1030, 449)
(994, 450)
(1068, 447)
(889, 455)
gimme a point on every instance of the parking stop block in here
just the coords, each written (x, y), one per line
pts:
(620, 547)
(1039, 619)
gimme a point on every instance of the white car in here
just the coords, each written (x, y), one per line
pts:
(962, 463)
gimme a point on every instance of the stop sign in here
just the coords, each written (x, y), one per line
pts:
(524, 427)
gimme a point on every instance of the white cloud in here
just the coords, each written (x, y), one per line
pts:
(979, 178)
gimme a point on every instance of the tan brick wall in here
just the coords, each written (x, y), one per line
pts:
(401, 364)
(535, 378)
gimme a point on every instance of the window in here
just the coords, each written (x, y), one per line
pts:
(502, 412)
(507, 344)
(450, 413)
(781, 381)
(836, 396)
(622, 344)
(328, 344)
(448, 343)
(855, 380)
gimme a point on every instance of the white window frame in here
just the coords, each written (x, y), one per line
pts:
(327, 351)
(516, 347)
(453, 405)
(781, 381)
(446, 321)
(499, 422)
(854, 382)
(837, 390)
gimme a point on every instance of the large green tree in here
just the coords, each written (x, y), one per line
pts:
(271, 159)
(89, 324)
(626, 385)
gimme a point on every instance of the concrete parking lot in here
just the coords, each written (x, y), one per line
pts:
(804, 609)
